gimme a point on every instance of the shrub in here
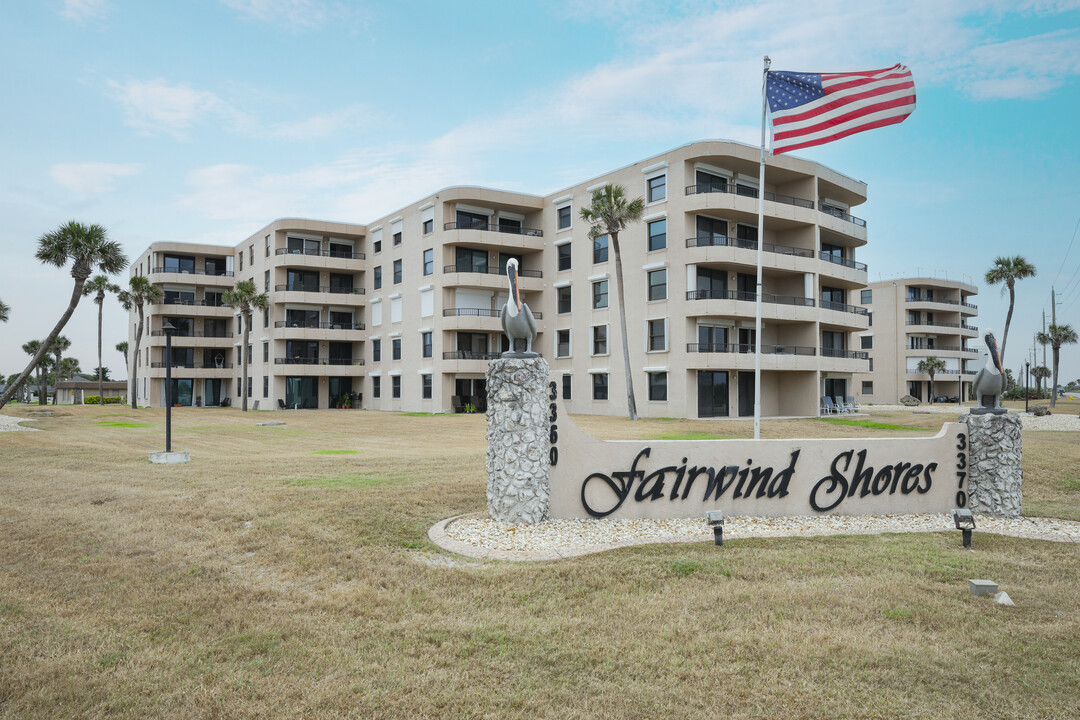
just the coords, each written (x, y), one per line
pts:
(96, 400)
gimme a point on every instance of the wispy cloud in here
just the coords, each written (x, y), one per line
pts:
(93, 178)
(83, 10)
(295, 15)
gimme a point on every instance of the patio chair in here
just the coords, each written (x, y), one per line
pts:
(828, 407)
(853, 404)
(456, 404)
(281, 404)
(841, 405)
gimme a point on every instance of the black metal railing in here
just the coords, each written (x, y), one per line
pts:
(294, 287)
(970, 327)
(470, 355)
(318, 325)
(304, 360)
(969, 305)
(839, 260)
(843, 307)
(344, 255)
(480, 312)
(838, 213)
(493, 227)
(933, 323)
(198, 334)
(724, 241)
(736, 189)
(749, 296)
(943, 301)
(178, 271)
(849, 354)
(194, 365)
(749, 348)
(490, 271)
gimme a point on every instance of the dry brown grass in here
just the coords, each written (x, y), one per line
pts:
(263, 580)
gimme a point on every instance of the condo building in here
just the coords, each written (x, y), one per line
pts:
(910, 320)
(402, 313)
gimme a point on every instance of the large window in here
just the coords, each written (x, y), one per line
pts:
(180, 264)
(397, 272)
(711, 283)
(425, 385)
(376, 386)
(657, 235)
(657, 335)
(709, 183)
(866, 342)
(562, 344)
(564, 256)
(429, 261)
(376, 351)
(563, 296)
(378, 277)
(833, 298)
(746, 236)
(302, 280)
(600, 249)
(600, 386)
(657, 188)
(395, 387)
(395, 349)
(867, 387)
(658, 386)
(425, 339)
(600, 294)
(565, 216)
(599, 340)
(469, 260)
(216, 266)
(832, 344)
(658, 284)
(471, 221)
(866, 297)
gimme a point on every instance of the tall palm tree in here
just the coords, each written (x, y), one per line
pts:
(4, 310)
(98, 287)
(1040, 373)
(122, 348)
(1006, 271)
(1057, 336)
(30, 348)
(609, 213)
(87, 247)
(69, 368)
(60, 346)
(245, 297)
(931, 365)
(139, 293)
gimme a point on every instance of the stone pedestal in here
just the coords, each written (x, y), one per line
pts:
(994, 471)
(518, 489)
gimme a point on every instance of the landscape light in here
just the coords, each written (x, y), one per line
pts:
(965, 523)
(169, 331)
(716, 519)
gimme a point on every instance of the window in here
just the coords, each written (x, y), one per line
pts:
(657, 335)
(564, 296)
(599, 386)
(395, 349)
(376, 386)
(566, 386)
(376, 351)
(658, 386)
(266, 387)
(565, 213)
(266, 281)
(470, 260)
(249, 354)
(871, 368)
(425, 340)
(427, 302)
(866, 342)
(425, 384)
(657, 188)
(266, 352)
(397, 241)
(239, 386)
(867, 297)
(267, 246)
(395, 309)
(249, 386)
(600, 249)
(562, 344)
(868, 387)
(378, 277)
(251, 259)
(599, 294)
(658, 284)
(266, 317)
(429, 261)
(429, 227)
(395, 387)
(564, 256)
(869, 319)
(376, 247)
(397, 272)
(833, 298)
(657, 235)
(599, 340)
(241, 268)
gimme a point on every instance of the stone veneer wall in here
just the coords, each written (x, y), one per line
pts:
(518, 489)
(994, 454)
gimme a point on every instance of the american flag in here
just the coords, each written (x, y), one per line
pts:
(812, 109)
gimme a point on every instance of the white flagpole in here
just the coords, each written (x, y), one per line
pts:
(760, 246)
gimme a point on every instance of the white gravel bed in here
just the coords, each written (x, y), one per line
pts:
(1055, 422)
(11, 424)
(568, 535)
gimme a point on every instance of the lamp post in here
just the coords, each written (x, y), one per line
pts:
(1027, 377)
(168, 329)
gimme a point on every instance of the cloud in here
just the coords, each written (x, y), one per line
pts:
(323, 125)
(293, 14)
(94, 178)
(155, 106)
(83, 10)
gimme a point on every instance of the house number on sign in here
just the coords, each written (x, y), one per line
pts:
(553, 433)
(961, 469)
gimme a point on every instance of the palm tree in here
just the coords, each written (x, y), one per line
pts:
(609, 213)
(98, 287)
(1040, 373)
(931, 366)
(60, 346)
(4, 310)
(33, 348)
(69, 368)
(1008, 270)
(245, 297)
(1057, 336)
(122, 348)
(30, 348)
(139, 293)
(87, 247)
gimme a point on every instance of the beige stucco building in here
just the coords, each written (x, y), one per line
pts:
(911, 320)
(403, 312)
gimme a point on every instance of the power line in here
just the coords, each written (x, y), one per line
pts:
(1066, 291)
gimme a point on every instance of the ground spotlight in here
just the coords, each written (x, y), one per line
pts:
(716, 519)
(965, 523)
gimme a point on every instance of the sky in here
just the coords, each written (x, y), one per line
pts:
(204, 120)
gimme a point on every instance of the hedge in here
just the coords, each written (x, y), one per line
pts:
(96, 400)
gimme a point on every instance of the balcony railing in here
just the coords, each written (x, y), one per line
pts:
(194, 365)
(178, 271)
(492, 227)
(969, 305)
(933, 323)
(470, 355)
(316, 361)
(749, 348)
(480, 312)
(198, 334)
(838, 260)
(945, 348)
(842, 307)
(970, 327)
(724, 241)
(190, 303)
(318, 325)
(838, 213)
(322, 253)
(293, 287)
(749, 296)
(490, 271)
(849, 354)
(735, 189)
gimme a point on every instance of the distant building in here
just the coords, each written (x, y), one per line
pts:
(403, 313)
(912, 319)
(76, 390)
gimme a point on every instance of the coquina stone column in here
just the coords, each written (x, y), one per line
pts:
(518, 489)
(995, 474)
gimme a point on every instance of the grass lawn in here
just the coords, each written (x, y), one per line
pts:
(279, 575)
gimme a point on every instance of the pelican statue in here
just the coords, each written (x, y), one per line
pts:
(517, 319)
(990, 382)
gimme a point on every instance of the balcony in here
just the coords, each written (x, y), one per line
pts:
(846, 262)
(178, 271)
(323, 253)
(751, 297)
(749, 348)
(491, 227)
(470, 355)
(934, 323)
(481, 312)
(723, 241)
(490, 271)
(198, 334)
(192, 365)
(317, 361)
(318, 325)
(841, 307)
(705, 188)
(321, 288)
(845, 354)
(838, 213)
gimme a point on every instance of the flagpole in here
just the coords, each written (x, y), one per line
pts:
(760, 249)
